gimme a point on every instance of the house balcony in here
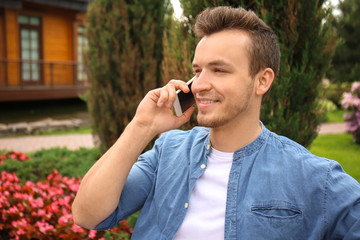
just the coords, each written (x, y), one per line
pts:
(22, 80)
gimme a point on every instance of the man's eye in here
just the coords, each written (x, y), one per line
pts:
(218, 70)
(197, 72)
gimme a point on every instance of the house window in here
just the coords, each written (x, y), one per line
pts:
(30, 27)
(81, 46)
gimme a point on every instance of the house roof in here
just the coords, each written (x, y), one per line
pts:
(80, 5)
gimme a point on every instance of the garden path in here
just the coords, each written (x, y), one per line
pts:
(75, 141)
(33, 143)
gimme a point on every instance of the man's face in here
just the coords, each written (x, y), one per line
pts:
(223, 88)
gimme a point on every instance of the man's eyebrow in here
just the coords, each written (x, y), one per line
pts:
(194, 65)
(214, 63)
(219, 63)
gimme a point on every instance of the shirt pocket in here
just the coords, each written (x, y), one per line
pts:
(275, 220)
(276, 210)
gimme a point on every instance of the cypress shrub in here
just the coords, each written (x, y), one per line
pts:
(307, 44)
(124, 60)
(346, 61)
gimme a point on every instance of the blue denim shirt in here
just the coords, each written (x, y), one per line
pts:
(276, 190)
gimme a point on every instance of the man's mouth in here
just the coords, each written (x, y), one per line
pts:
(204, 103)
(207, 101)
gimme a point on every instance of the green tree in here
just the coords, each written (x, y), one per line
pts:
(124, 60)
(346, 61)
(306, 43)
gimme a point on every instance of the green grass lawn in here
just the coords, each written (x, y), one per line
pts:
(339, 147)
(81, 130)
(335, 116)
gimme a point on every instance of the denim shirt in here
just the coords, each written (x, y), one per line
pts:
(277, 190)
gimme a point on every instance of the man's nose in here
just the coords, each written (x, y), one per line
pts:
(201, 83)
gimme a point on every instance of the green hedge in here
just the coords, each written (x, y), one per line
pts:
(334, 92)
(42, 163)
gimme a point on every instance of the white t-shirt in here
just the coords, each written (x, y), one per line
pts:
(205, 217)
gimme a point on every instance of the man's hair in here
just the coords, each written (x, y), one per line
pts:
(264, 51)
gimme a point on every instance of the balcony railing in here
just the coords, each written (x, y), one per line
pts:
(21, 73)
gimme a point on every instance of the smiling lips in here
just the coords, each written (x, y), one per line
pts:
(205, 102)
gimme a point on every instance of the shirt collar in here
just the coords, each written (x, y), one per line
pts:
(246, 150)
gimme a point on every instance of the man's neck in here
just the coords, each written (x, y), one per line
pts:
(231, 138)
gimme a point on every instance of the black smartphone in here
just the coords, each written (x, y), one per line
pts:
(183, 100)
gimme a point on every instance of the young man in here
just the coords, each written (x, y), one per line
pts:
(231, 178)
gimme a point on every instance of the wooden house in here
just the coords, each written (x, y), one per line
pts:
(41, 44)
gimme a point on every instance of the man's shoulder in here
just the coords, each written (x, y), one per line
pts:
(195, 133)
(296, 152)
(285, 143)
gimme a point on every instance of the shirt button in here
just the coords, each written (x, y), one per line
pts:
(186, 205)
(203, 166)
(208, 147)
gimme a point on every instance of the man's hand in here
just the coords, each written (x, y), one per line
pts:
(155, 110)
(101, 187)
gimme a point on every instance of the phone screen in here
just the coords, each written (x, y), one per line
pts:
(186, 99)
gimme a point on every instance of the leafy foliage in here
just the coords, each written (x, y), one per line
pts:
(42, 210)
(346, 61)
(291, 108)
(43, 162)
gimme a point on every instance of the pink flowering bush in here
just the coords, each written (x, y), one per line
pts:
(351, 102)
(42, 210)
(13, 156)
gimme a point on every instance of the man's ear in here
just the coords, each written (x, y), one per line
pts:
(264, 81)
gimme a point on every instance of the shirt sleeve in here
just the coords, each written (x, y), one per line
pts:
(342, 201)
(137, 187)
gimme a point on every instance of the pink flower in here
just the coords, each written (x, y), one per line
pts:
(19, 195)
(355, 87)
(20, 223)
(55, 207)
(37, 203)
(64, 201)
(351, 101)
(41, 213)
(77, 229)
(20, 207)
(29, 184)
(92, 234)
(74, 187)
(23, 157)
(20, 232)
(13, 210)
(65, 219)
(44, 227)
(45, 204)
(11, 177)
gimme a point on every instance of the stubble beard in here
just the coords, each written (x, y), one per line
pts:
(225, 116)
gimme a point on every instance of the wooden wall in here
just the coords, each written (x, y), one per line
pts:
(57, 42)
(12, 46)
(2, 48)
